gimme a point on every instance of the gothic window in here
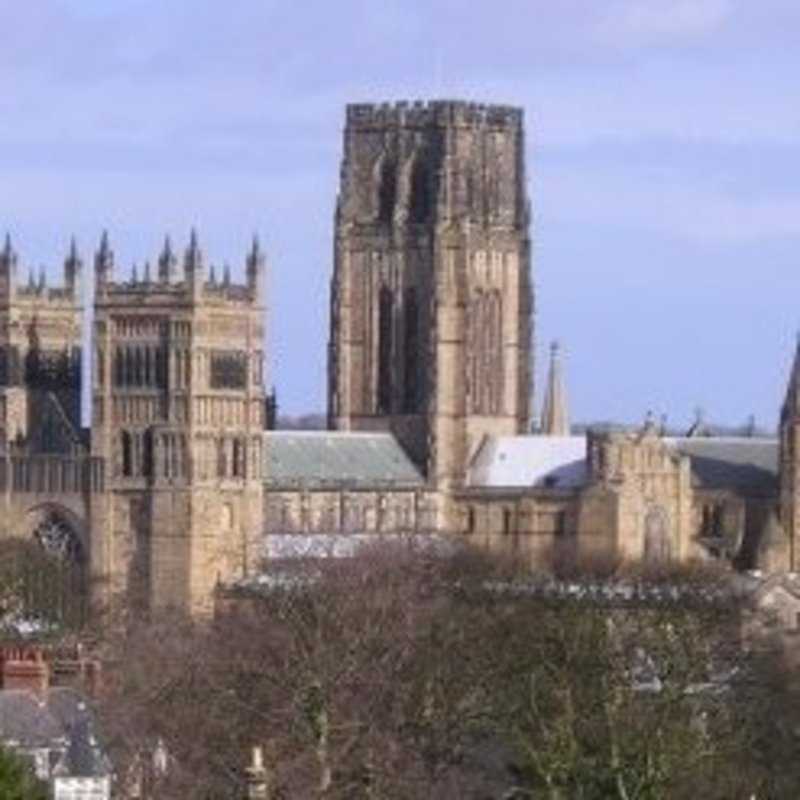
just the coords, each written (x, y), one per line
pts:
(485, 353)
(58, 539)
(656, 536)
(385, 304)
(470, 520)
(237, 462)
(411, 346)
(387, 190)
(507, 519)
(222, 459)
(228, 369)
(419, 206)
(127, 454)
(147, 454)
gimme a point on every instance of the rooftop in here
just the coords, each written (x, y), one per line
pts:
(335, 458)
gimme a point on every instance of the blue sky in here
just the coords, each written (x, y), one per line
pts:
(663, 165)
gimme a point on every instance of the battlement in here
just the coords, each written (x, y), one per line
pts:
(436, 113)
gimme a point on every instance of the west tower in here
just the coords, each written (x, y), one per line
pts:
(40, 356)
(177, 414)
(431, 297)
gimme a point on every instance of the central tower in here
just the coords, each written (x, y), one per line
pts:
(431, 298)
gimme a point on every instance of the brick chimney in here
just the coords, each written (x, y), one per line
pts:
(24, 667)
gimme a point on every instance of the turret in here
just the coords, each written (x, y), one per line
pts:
(194, 266)
(555, 412)
(8, 268)
(103, 264)
(256, 267)
(73, 270)
(167, 264)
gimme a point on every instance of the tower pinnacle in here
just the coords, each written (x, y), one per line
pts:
(555, 412)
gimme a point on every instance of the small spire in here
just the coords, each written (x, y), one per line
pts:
(42, 279)
(167, 262)
(147, 271)
(73, 248)
(555, 412)
(134, 273)
(212, 277)
(226, 275)
(104, 261)
(256, 264)
(31, 281)
(698, 428)
(8, 258)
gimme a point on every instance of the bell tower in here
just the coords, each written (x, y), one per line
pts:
(177, 411)
(431, 296)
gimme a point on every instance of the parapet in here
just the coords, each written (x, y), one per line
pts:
(437, 113)
(177, 280)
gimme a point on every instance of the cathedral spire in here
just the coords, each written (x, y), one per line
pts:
(555, 413)
(194, 265)
(791, 402)
(8, 266)
(167, 263)
(104, 263)
(256, 266)
(73, 268)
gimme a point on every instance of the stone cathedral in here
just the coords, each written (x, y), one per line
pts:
(162, 498)
(177, 489)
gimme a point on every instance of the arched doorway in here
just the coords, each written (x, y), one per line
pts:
(48, 569)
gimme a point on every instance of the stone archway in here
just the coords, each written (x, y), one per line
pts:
(657, 545)
(53, 567)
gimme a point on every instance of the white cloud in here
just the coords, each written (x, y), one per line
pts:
(667, 202)
(645, 22)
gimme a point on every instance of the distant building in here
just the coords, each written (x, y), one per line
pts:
(51, 726)
(174, 487)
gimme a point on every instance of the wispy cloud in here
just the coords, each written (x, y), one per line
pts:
(647, 22)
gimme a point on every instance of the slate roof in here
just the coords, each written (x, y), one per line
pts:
(333, 458)
(732, 462)
(557, 462)
(60, 720)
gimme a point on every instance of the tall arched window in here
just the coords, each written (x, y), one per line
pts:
(411, 351)
(147, 454)
(127, 454)
(385, 323)
(419, 206)
(387, 190)
(485, 353)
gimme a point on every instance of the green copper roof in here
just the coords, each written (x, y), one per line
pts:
(320, 458)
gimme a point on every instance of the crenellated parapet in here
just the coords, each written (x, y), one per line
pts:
(447, 162)
(443, 113)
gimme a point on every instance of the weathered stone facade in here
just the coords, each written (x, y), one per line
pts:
(431, 299)
(164, 497)
(177, 416)
(176, 484)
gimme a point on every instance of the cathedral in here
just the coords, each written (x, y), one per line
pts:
(178, 488)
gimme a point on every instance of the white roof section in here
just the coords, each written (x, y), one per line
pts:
(553, 462)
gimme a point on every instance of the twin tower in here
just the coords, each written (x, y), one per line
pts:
(431, 298)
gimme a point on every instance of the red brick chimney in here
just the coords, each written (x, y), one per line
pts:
(24, 667)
